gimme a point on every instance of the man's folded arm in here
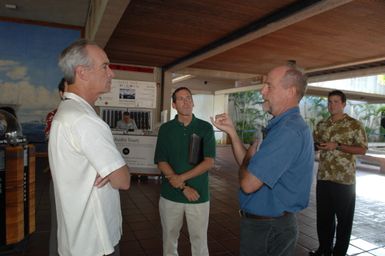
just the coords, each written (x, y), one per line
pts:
(120, 178)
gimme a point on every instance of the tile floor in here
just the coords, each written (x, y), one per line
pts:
(142, 230)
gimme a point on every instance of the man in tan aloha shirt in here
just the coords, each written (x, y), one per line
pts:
(338, 138)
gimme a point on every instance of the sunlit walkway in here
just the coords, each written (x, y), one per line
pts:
(368, 235)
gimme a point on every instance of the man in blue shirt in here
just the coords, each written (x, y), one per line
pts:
(274, 181)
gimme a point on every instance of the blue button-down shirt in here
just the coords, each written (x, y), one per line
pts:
(284, 163)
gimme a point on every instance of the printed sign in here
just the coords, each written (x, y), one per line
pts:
(129, 94)
(138, 152)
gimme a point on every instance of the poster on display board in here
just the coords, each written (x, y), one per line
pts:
(129, 94)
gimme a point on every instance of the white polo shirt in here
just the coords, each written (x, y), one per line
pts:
(80, 147)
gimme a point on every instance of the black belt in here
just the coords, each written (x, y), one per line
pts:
(259, 217)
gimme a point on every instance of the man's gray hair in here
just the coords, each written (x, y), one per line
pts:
(72, 56)
(295, 77)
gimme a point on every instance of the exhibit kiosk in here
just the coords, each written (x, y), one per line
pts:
(17, 183)
(137, 146)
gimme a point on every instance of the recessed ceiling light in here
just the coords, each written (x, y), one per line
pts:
(11, 6)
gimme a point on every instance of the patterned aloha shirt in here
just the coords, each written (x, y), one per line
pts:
(335, 165)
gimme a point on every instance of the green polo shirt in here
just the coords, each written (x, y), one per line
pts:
(173, 147)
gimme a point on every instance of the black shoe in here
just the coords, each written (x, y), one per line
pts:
(318, 253)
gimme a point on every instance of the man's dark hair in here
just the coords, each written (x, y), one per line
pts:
(126, 113)
(177, 90)
(338, 93)
(61, 85)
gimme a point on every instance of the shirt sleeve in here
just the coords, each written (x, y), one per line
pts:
(97, 145)
(160, 149)
(134, 125)
(275, 156)
(361, 138)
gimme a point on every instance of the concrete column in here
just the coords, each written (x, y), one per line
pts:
(166, 93)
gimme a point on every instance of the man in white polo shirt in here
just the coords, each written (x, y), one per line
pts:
(87, 169)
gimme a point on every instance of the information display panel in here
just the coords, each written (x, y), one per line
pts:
(129, 94)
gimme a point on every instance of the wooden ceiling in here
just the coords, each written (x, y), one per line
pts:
(157, 33)
(348, 34)
(326, 38)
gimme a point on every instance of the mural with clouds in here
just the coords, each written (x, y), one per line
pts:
(29, 74)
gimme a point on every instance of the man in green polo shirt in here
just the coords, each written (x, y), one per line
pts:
(184, 153)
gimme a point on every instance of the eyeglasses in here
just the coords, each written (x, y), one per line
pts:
(187, 99)
(104, 66)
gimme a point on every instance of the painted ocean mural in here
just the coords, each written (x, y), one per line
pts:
(29, 74)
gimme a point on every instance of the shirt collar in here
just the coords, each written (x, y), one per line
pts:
(181, 124)
(275, 120)
(73, 96)
(330, 120)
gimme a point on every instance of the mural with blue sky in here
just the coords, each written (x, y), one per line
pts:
(29, 73)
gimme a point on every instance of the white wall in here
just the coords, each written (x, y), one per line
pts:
(206, 106)
(203, 107)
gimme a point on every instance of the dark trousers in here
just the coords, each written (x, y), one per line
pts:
(334, 202)
(116, 251)
(276, 237)
(53, 232)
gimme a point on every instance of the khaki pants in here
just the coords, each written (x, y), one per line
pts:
(197, 218)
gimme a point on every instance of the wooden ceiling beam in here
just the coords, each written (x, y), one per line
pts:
(350, 95)
(215, 74)
(348, 64)
(315, 91)
(347, 74)
(264, 26)
(103, 18)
